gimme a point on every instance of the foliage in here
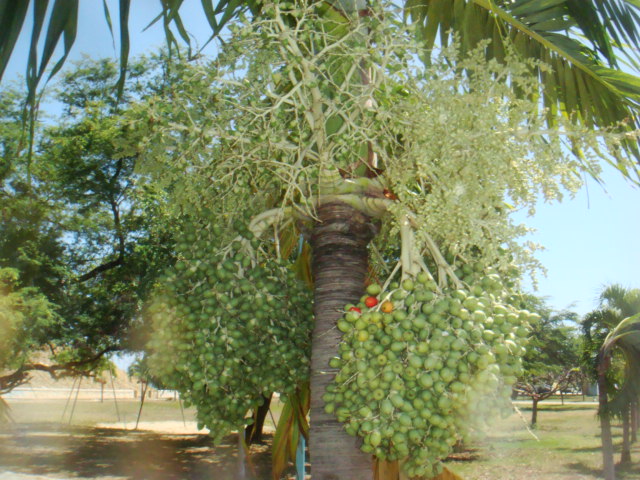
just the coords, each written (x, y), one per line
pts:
(78, 225)
(580, 41)
(551, 362)
(283, 110)
(553, 342)
(24, 312)
(231, 326)
(612, 340)
(283, 120)
(315, 103)
(611, 345)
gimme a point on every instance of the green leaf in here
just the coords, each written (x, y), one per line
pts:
(544, 15)
(569, 89)
(555, 24)
(125, 6)
(433, 17)
(174, 16)
(62, 23)
(39, 12)
(527, 7)
(584, 98)
(210, 15)
(281, 437)
(230, 11)
(107, 17)
(12, 15)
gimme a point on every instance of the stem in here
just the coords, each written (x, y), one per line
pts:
(410, 265)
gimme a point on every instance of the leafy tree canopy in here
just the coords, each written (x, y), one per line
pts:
(79, 228)
(553, 346)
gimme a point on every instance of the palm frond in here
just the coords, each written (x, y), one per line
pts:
(61, 22)
(625, 336)
(578, 40)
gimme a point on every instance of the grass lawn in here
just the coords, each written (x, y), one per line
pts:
(567, 447)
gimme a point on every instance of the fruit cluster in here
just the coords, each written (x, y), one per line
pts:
(420, 368)
(228, 326)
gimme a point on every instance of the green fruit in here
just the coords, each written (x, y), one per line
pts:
(344, 326)
(408, 285)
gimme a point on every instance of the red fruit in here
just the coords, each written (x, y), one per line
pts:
(371, 302)
(355, 309)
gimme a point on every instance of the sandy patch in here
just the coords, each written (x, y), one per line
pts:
(187, 428)
(174, 427)
(28, 476)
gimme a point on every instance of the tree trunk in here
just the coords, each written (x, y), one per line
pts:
(253, 433)
(534, 411)
(605, 424)
(634, 421)
(340, 262)
(625, 456)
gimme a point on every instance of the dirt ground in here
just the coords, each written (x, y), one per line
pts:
(55, 452)
(102, 445)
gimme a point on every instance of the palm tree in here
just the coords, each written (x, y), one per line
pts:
(615, 326)
(583, 41)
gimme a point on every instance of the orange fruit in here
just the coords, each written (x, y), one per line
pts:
(386, 307)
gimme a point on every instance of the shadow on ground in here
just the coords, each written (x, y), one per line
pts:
(88, 452)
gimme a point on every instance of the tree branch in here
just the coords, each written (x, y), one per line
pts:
(118, 232)
(101, 268)
(21, 375)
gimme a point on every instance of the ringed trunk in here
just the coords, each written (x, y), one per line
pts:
(340, 265)
(605, 422)
(625, 456)
(634, 421)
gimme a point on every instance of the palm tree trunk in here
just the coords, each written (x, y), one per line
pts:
(340, 263)
(605, 423)
(634, 421)
(625, 456)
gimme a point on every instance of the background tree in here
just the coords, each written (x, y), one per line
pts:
(552, 358)
(79, 227)
(612, 350)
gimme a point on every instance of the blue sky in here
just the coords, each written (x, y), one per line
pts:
(590, 240)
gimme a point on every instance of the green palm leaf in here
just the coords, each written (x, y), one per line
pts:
(572, 37)
(626, 336)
